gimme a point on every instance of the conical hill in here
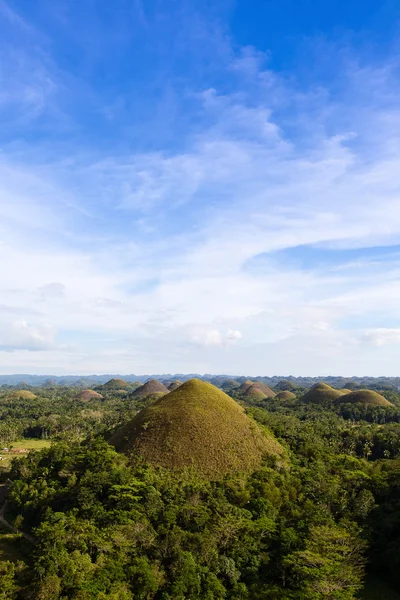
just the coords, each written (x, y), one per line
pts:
(199, 426)
(87, 395)
(245, 386)
(148, 389)
(285, 395)
(321, 392)
(367, 397)
(116, 384)
(23, 395)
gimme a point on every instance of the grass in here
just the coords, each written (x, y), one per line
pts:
(321, 392)
(12, 546)
(365, 397)
(285, 395)
(26, 445)
(149, 389)
(197, 425)
(376, 589)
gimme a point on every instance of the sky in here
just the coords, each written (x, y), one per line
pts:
(200, 187)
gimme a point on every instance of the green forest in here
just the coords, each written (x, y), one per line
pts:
(236, 489)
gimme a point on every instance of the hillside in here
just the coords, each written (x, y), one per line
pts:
(321, 392)
(198, 426)
(285, 395)
(87, 395)
(115, 384)
(23, 395)
(148, 389)
(367, 397)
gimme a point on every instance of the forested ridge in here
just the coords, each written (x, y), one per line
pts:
(316, 525)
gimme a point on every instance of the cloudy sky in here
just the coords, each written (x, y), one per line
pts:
(195, 186)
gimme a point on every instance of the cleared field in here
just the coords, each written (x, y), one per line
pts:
(20, 449)
(376, 589)
(11, 546)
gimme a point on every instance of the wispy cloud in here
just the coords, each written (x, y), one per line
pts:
(174, 258)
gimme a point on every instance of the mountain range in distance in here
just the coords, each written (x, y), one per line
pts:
(218, 380)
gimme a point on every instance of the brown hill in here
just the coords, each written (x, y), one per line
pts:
(258, 390)
(254, 393)
(199, 426)
(367, 397)
(87, 395)
(244, 386)
(148, 389)
(321, 392)
(285, 385)
(173, 385)
(115, 384)
(285, 395)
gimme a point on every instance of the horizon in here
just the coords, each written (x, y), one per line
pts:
(199, 187)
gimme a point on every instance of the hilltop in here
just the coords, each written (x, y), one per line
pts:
(87, 395)
(321, 392)
(149, 389)
(285, 395)
(367, 397)
(197, 425)
(23, 395)
(115, 384)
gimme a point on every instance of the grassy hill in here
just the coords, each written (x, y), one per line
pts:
(321, 392)
(115, 384)
(149, 389)
(198, 426)
(285, 395)
(22, 395)
(367, 397)
(87, 395)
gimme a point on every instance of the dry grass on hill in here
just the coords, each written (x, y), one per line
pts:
(285, 395)
(149, 389)
(23, 395)
(367, 397)
(87, 395)
(197, 426)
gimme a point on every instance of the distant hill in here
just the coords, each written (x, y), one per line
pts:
(149, 389)
(197, 426)
(172, 385)
(87, 395)
(23, 395)
(285, 395)
(285, 385)
(368, 397)
(115, 384)
(256, 390)
(321, 392)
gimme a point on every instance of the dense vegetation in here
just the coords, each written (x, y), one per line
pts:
(107, 527)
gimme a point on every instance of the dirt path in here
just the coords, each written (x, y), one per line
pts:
(4, 522)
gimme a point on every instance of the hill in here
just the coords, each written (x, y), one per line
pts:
(321, 392)
(244, 386)
(367, 397)
(115, 384)
(284, 385)
(23, 395)
(198, 426)
(285, 395)
(258, 390)
(172, 385)
(148, 389)
(87, 395)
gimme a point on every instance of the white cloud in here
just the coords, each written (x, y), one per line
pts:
(215, 337)
(20, 335)
(382, 337)
(152, 251)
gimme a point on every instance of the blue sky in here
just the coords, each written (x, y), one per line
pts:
(200, 187)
